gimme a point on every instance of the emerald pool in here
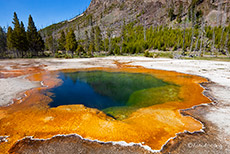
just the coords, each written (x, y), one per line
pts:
(117, 94)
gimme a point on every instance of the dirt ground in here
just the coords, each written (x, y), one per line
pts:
(215, 116)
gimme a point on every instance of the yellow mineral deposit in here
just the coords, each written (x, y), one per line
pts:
(152, 125)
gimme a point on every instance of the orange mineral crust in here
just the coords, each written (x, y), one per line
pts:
(19, 70)
(151, 126)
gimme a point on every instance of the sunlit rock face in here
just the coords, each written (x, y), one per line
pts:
(112, 13)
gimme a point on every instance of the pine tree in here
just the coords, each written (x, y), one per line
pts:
(179, 15)
(49, 43)
(171, 13)
(91, 50)
(92, 42)
(2, 41)
(23, 40)
(16, 35)
(18, 38)
(40, 43)
(80, 50)
(87, 41)
(35, 41)
(109, 35)
(92, 35)
(71, 43)
(9, 38)
(98, 38)
(62, 41)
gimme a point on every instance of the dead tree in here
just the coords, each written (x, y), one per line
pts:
(183, 48)
(223, 28)
(122, 35)
(205, 45)
(109, 35)
(202, 38)
(199, 36)
(213, 40)
(145, 31)
(193, 28)
(53, 43)
(226, 44)
(78, 31)
(214, 35)
(218, 14)
(178, 44)
(197, 41)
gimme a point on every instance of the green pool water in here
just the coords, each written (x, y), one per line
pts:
(118, 94)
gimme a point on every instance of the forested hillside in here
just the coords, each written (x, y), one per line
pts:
(134, 26)
(192, 27)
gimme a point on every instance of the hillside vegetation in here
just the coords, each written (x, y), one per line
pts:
(188, 27)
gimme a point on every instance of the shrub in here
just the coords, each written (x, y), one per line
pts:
(59, 54)
(68, 56)
(47, 53)
(174, 48)
(156, 55)
(147, 53)
(164, 48)
(80, 50)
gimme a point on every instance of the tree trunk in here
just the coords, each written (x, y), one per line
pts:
(201, 35)
(213, 41)
(218, 15)
(226, 44)
(121, 46)
(223, 28)
(110, 44)
(145, 31)
(183, 48)
(193, 24)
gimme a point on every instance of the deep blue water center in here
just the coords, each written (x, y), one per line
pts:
(100, 89)
(80, 92)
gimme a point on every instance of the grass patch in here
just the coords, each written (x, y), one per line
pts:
(227, 59)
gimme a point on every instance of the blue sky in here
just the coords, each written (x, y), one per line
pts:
(44, 12)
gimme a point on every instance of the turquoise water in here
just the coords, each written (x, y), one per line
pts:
(116, 93)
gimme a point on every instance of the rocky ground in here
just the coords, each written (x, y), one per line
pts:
(72, 144)
(215, 116)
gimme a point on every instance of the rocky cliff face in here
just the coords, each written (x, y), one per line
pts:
(112, 14)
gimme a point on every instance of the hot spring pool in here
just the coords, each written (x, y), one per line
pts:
(117, 94)
(131, 104)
